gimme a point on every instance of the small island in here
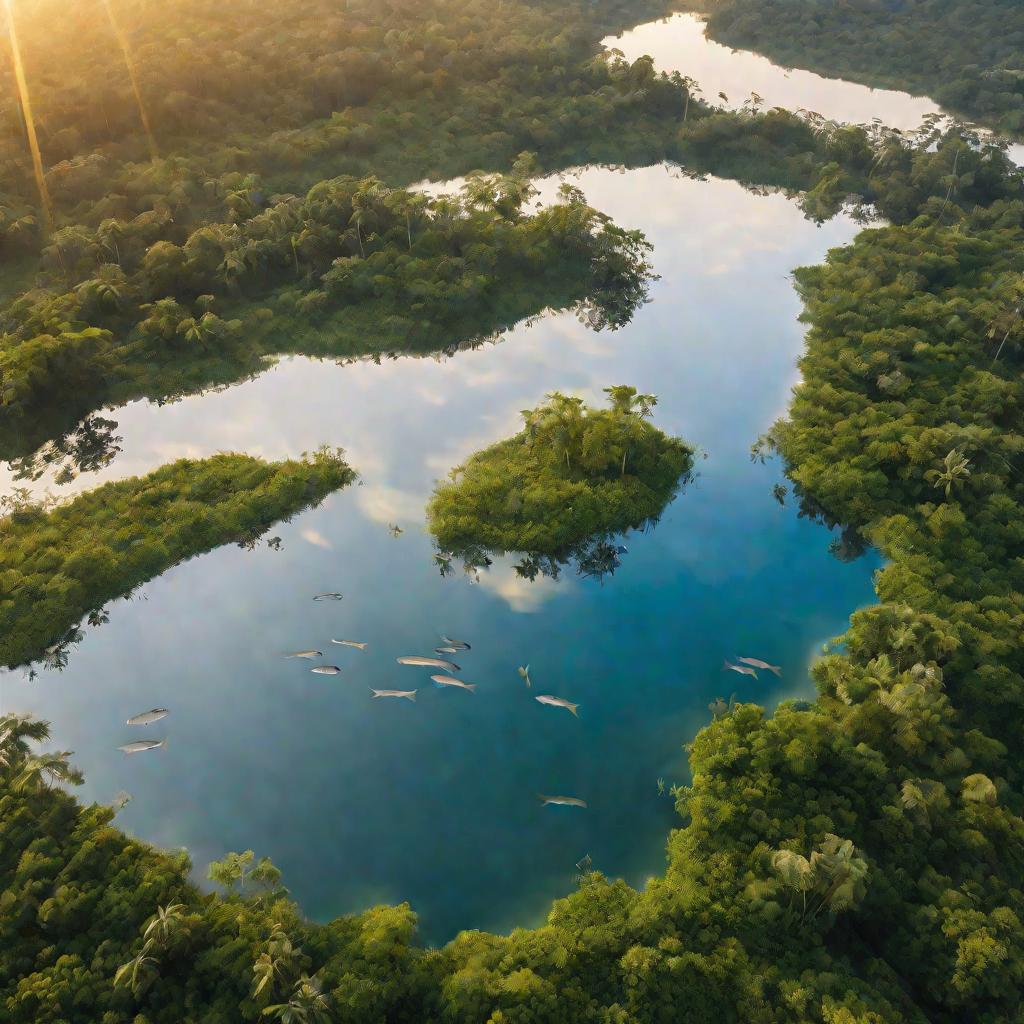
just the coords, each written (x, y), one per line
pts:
(59, 563)
(562, 488)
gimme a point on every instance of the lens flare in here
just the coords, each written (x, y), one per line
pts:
(122, 41)
(30, 124)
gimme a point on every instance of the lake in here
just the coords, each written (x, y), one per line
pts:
(361, 801)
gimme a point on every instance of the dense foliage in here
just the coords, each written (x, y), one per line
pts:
(351, 268)
(58, 563)
(560, 489)
(167, 273)
(78, 895)
(968, 55)
(858, 860)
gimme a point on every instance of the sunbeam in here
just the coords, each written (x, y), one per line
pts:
(129, 61)
(30, 125)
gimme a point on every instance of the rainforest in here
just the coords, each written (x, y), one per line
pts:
(497, 529)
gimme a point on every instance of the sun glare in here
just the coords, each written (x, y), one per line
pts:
(129, 60)
(30, 125)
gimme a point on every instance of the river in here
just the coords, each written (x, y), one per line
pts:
(361, 801)
(729, 77)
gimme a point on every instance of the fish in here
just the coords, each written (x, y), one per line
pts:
(461, 644)
(139, 745)
(447, 650)
(306, 654)
(743, 670)
(448, 666)
(758, 663)
(350, 643)
(328, 597)
(326, 670)
(524, 674)
(148, 717)
(557, 702)
(407, 694)
(448, 681)
(563, 801)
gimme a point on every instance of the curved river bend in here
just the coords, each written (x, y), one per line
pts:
(435, 802)
(729, 77)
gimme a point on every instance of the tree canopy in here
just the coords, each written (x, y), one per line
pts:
(563, 487)
(60, 562)
(967, 55)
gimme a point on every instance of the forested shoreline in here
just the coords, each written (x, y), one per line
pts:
(858, 859)
(59, 562)
(353, 268)
(906, 45)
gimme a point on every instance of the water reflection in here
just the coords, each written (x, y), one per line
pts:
(359, 801)
(730, 78)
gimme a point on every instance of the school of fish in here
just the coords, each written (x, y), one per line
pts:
(441, 679)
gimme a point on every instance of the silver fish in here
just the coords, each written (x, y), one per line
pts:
(139, 745)
(447, 650)
(148, 717)
(743, 670)
(350, 643)
(524, 674)
(563, 801)
(557, 702)
(326, 670)
(461, 644)
(407, 694)
(306, 654)
(448, 666)
(331, 596)
(448, 681)
(758, 663)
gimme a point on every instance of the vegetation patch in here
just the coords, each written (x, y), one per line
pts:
(560, 489)
(61, 562)
(353, 268)
(964, 54)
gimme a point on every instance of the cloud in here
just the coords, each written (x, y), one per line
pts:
(315, 538)
(390, 505)
(519, 594)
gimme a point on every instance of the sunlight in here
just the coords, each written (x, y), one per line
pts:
(30, 125)
(122, 41)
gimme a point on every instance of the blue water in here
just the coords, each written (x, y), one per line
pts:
(361, 801)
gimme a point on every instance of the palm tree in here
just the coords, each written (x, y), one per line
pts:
(138, 972)
(308, 1004)
(626, 399)
(956, 469)
(561, 421)
(691, 86)
(164, 924)
(364, 207)
(633, 408)
(278, 966)
(831, 879)
(106, 291)
(14, 731)
(43, 770)
(405, 204)
(110, 232)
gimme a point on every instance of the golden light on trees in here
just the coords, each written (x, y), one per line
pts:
(129, 60)
(30, 125)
